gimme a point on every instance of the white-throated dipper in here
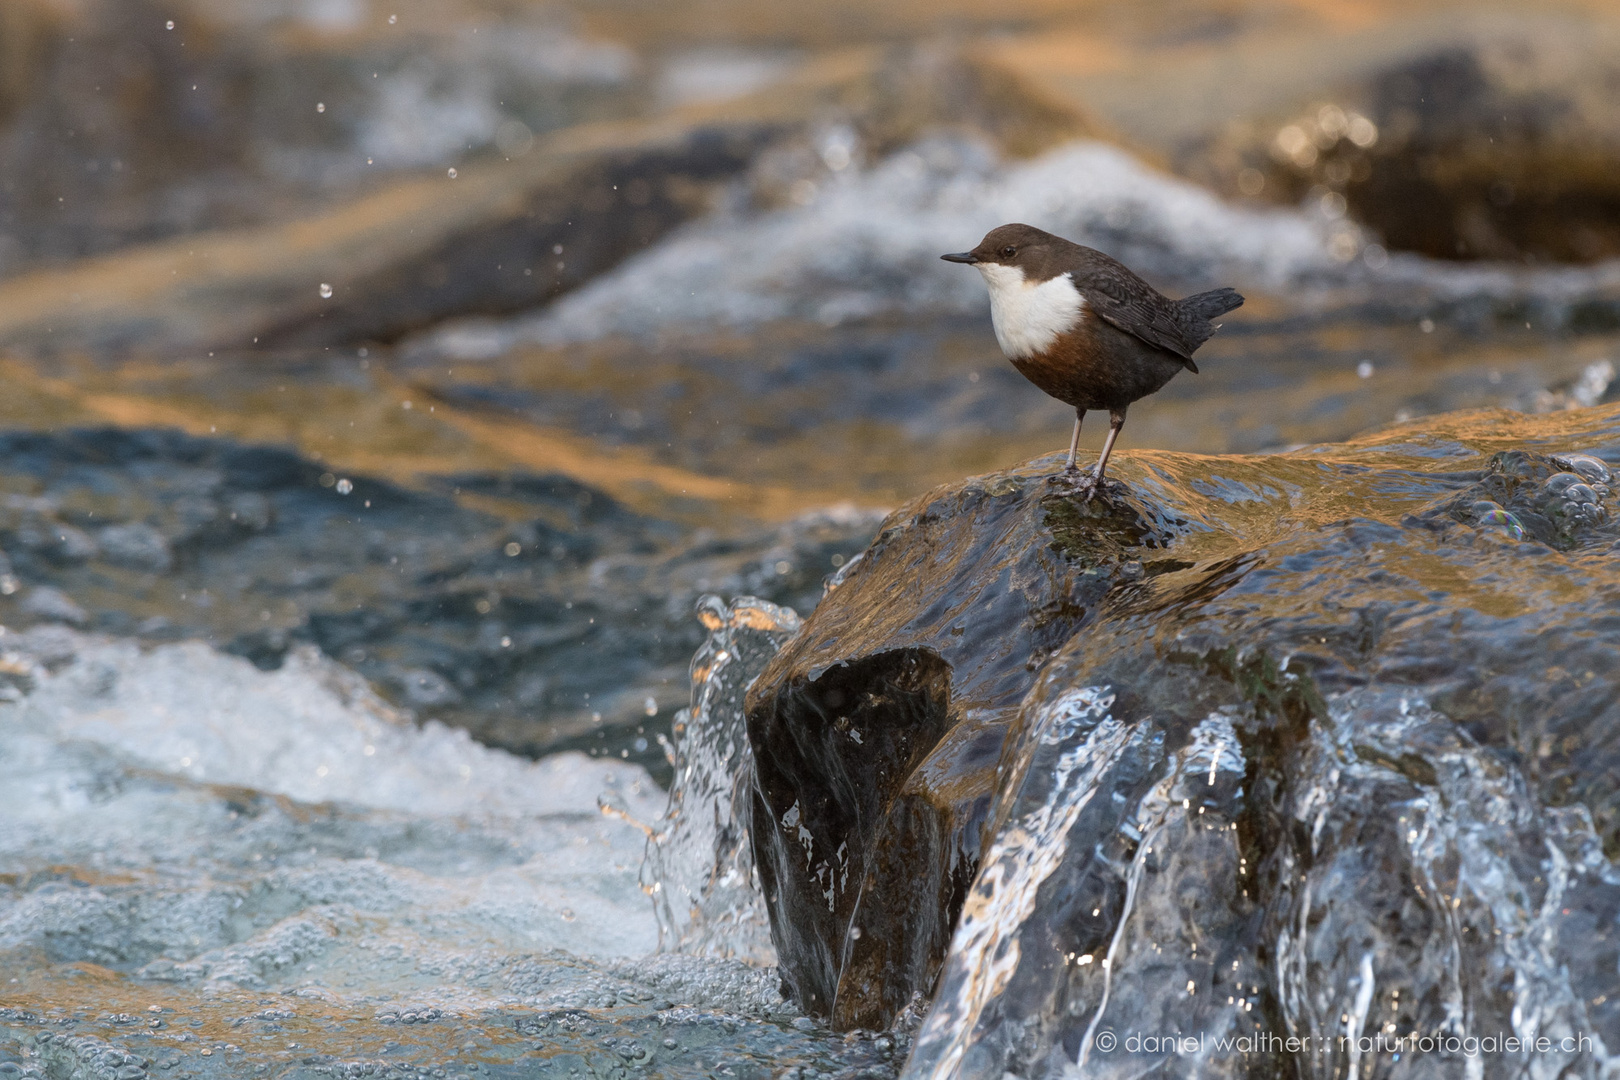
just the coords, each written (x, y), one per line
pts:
(1084, 328)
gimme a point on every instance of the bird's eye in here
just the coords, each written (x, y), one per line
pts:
(1008, 252)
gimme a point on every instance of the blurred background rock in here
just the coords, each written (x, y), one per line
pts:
(647, 292)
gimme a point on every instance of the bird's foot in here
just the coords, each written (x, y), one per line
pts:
(1086, 484)
(1069, 480)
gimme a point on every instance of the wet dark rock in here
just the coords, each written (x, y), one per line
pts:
(1305, 728)
(553, 231)
(1493, 141)
(1496, 151)
(503, 237)
(877, 730)
(123, 121)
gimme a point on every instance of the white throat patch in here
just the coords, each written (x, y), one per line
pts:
(1027, 316)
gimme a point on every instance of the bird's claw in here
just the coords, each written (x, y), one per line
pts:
(1084, 483)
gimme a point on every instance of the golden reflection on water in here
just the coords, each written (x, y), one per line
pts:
(737, 428)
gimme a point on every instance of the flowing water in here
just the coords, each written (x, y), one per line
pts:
(230, 856)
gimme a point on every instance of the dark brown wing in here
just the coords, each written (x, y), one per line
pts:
(1131, 304)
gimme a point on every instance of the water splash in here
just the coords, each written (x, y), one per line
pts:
(699, 867)
(1075, 741)
(1439, 833)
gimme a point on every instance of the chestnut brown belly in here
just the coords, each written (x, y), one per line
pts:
(1096, 366)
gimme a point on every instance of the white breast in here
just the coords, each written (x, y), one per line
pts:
(1029, 316)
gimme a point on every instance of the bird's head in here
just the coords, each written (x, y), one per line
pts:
(1021, 246)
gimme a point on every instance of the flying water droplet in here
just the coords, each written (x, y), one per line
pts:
(326, 291)
(452, 174)
(345, 486)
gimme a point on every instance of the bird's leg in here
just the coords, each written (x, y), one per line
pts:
(1074, 441)
(1116, 420)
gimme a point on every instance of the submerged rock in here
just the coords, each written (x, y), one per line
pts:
(1303, 745)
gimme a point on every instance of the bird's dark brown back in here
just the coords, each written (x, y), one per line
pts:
(1111, 289)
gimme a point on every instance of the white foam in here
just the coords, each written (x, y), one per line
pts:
(312, 731)
(868, 243)
(288, 828)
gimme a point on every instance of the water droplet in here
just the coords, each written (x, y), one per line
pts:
(169, 25)
(392, 19)
(320, 106)
(1365, 369)
(513, 549)
(650, 706)
(326, 291)
(452, 174)
(345, 486)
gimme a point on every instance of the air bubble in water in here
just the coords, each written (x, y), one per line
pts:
(326, 291)
(1488, 513)
(1590, 468)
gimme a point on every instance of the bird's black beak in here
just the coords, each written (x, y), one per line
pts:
(961, 257)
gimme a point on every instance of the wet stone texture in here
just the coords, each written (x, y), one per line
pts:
(1321, 744)
(876, 732)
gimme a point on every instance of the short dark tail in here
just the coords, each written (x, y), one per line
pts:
(1209, 305)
